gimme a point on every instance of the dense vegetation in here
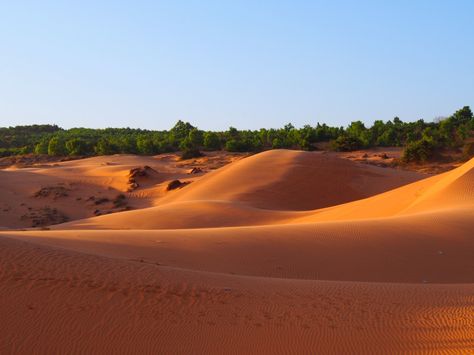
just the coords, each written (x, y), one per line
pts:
(423, 140)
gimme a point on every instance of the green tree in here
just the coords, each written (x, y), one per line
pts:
(277, 143)
(196, 137)
(56, 147)
(463, 116)
(419, 151)
(145, 145)
(211, 141)
(232, 145)
(42, 146)
(105, 147)
(347, 143)
(77, 147)
(181, 129)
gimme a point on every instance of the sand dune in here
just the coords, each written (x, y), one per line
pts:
(293, 180)
(224, 207)
(243, 193)
(83, 182)
(281, 252)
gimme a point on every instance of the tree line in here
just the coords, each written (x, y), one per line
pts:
(422, 140)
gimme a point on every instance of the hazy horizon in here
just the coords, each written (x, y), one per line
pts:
(248, 65)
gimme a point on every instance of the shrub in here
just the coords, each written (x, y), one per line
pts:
(347, 143)
(233, 145)
(419, 151)
(145, 145)
(77, 146)
(105, 147)
(42, 147)
(211, 141)
(56, 147)
(277, 143)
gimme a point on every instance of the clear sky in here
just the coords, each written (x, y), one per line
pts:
(247, 64)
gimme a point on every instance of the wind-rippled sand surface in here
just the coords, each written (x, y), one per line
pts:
(280, 252)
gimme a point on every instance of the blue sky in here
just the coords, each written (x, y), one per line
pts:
(247, 64)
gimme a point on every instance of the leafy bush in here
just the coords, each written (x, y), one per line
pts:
(57, 147)
(77, 146)
(234, 145)
(419, 151)
(105, 147)
(212, 141)
(346, 143)
(145, 145)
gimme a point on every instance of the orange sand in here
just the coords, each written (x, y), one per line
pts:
(280, 252)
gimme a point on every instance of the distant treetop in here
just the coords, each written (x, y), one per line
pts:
(421, 139)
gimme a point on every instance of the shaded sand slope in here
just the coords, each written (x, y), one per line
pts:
(187, 214)
(58, 301)
(453, 189)
(293, 180)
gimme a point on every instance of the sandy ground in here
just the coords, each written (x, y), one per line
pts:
(280, 252)
(391, 157)
(84, 188)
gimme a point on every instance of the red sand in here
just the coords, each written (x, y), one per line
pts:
(281, 252)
